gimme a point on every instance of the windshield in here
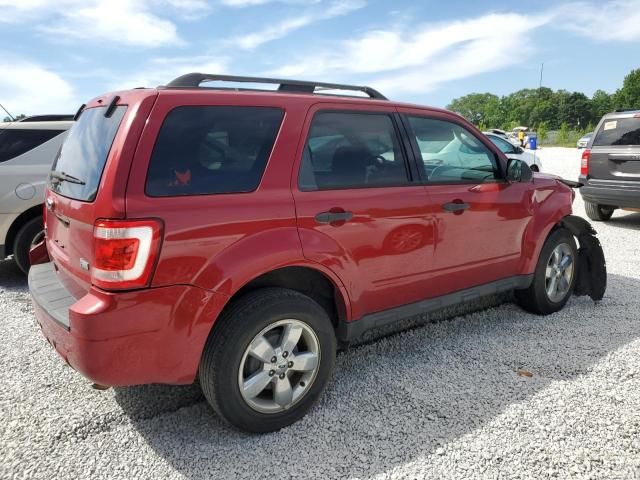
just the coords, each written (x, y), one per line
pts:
(620, 131)
(84, 153)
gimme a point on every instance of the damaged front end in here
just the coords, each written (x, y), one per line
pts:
(591, 268)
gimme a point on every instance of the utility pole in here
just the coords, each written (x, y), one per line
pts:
(541, 70)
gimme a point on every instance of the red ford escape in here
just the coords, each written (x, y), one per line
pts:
(237, 236)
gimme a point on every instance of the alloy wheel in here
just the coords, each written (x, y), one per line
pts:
(559, 272)
(279, 366)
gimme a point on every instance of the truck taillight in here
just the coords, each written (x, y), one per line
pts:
(124, 253)
(584, 163)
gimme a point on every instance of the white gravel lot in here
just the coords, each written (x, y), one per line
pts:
(440, 401)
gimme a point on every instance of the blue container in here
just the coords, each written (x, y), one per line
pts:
(533, 143)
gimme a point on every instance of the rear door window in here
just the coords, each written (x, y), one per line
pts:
(352, 150)
(15, 142)
(618, 131)
(204, 150)
(84, 153)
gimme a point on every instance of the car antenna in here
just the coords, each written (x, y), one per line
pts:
(13, 119)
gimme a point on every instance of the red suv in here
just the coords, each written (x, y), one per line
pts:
(237, 236)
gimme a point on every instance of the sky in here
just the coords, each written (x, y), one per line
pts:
(56, 55)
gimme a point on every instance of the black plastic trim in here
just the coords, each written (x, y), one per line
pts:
(50, 294)
(349, 331)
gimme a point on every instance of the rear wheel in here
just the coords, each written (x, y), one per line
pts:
(268, 359)
(598, 213)
(554, 277)
(25, 238)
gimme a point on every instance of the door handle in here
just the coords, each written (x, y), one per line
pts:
(456, 207)
(333, 217)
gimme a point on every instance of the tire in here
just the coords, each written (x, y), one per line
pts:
(23, 242)
(226, 362)
(536, 298)
(598, 213)
(535, 168)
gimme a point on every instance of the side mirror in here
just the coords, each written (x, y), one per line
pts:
(518, 150)
(518, 171)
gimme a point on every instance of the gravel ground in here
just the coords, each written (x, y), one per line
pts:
(441, 401)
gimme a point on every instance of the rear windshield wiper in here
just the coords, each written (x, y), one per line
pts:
(65, 177)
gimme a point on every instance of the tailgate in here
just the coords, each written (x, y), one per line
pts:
(615, 153)
(88, 182)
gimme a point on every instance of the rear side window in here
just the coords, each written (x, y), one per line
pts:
(352, 150)
(619, 131)
(204, 150)
(84, 153)
(14, 143)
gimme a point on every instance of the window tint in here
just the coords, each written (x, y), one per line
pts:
(16, 142)
(352, 150)
(84, 152)
(206, 150)
(503, 145)
(619, 131)
(451, 154)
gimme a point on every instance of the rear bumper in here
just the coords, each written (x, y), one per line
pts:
(127, 338)
(623, 194)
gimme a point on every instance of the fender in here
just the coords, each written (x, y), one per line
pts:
(591, 268)
(261, 253)
(550, 205)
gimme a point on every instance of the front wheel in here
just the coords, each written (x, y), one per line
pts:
(268, 359)
(554, 277)
(597, 212)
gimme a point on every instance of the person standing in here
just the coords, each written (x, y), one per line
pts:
(521, 137)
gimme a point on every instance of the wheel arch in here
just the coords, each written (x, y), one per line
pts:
(18, 223)
(312, 281)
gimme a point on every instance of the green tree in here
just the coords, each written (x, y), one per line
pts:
(629, 95)
(478, 108)
(563, 134)
(542, 131)
(18, 117)
(601, 103)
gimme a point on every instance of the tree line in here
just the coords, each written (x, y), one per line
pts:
(544, 109)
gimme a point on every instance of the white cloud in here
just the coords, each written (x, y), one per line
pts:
(28, 88)
(251, 3)
(143, 23)
(421, 58)
(605, 21)
(283, 28)
(121, 21)
(160, 71)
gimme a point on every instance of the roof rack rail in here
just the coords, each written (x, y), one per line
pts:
(193, 80)
(618, 110)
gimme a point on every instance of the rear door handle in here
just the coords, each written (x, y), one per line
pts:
(455, 207)
(333, 217)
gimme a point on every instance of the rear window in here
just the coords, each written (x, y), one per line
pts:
(204, 150)
(14, 143)
(619, 131)
(84, 153)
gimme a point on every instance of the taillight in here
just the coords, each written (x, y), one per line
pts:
(584, 163)
(124, 253)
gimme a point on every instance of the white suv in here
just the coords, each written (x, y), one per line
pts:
(27, 150)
